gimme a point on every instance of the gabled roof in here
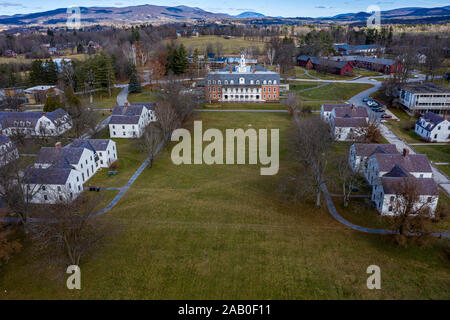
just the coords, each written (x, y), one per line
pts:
(330, 107)
(397, 172)
(7, 119)
(350, 122)
(51, 175)
(124, 119)
(354, 112)
(95, 144)
(52, 155)
(425, 186)
(432, 120)
(368, 149)
(411, 162)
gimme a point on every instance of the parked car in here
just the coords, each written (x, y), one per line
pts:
(378, 110)
(366, 99)
(386, 116)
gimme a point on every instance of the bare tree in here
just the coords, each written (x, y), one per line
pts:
(347, 178)
(411, 211)
(15, 190)
(271, 55)
(66, 232)
(150, 140)
(168, 119)
(293, 102)
(313, 141)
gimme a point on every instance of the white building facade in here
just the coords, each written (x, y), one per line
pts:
(433, 127)
(129, 121)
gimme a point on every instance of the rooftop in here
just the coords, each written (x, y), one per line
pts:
(350, 122)
(425, 186)
(425, 88)
(368, 149)
(410, 162)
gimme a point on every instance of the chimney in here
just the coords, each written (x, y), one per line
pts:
(231, 69)
(254, 69)
(405, 152)
(44, 113)
(58, 145)
(264, 65)
(125, 104)
(278, 69)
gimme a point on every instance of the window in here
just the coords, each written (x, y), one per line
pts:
(59, 188)
(45, 197)
(226, 81)
(390, 208)
(429, 199)
(43, 188)
(392, 198)
(219, 82)
(241, 80)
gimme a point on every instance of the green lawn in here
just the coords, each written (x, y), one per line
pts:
(365, 73)
(229, 46)
(226, 232)
(303, 85)
(405, 127)
(436, 153)
(144, 96)
(445, 169)
(335, 91)
(130, 158)
(101, 99)
(245, 106)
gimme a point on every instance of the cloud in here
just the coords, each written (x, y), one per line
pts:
(10, 4)
(323, 7)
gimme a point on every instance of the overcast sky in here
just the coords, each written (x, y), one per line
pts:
(286, 8)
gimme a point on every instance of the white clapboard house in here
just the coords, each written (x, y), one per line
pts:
(129, 121)
(360, 153)
(52, 123)
(433, 127)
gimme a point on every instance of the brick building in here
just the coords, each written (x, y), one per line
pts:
(243, 83)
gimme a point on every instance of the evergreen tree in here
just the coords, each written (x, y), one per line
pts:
(134, 86)
(36, 72)
(52, 103)
(80, 48)
(71, 98)
(50, 72)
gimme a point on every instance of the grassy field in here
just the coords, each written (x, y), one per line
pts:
(229, 46)
(101, 99)
(365, 73)
(436, 153)
(226, 232)
(144, 96)
(445, 169)
(22, 59)
(335, 91)
(400, 127)
(245, 106)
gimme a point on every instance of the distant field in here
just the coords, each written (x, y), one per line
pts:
(22, 59)
(229, 46)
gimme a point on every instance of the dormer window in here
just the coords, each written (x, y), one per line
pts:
(274, 81)
(241, 80)
(219, 82)
(257, 82)
(265, 82)
(231, 81)
(270, 81)
(226, 81)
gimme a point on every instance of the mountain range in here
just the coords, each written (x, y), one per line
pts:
(161, 14)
